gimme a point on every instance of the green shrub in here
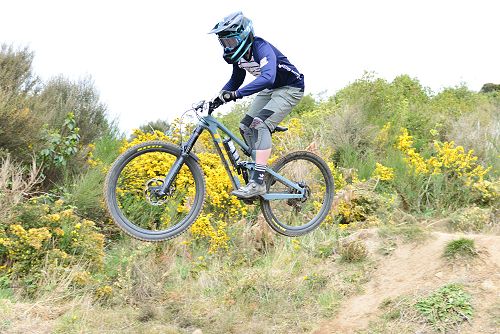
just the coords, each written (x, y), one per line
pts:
(462, 247)
(158, 125)
(60, 96)
(401, 102)
(86, 194)
(19, 130)
(307, 104)
(456, 101)
(446, 308)
(58, 149)
(47, 233)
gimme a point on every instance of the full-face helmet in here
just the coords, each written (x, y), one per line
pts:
(235, 33)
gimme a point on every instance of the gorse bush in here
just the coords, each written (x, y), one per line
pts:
(471, 219)
(220, 207)
(446, 174)
(47, 233)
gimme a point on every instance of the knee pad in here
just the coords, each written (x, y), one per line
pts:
(261, 134)
(247, 135)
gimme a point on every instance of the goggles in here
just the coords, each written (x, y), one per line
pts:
(230, 42)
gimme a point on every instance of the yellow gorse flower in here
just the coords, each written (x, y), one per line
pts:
(220, 206)
(383, 135)
(54, 217)
(52, 234)
(383, 173)
(448, 159)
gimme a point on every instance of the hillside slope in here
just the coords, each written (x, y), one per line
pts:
(417, 269)
(407, 272)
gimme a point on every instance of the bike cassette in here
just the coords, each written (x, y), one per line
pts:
(297, 202)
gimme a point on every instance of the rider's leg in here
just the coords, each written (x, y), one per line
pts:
(279, 106)
(262, 139)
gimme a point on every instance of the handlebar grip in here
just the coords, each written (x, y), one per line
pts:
(212, 105)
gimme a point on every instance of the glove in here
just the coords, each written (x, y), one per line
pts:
(216, 103)
(227, 96)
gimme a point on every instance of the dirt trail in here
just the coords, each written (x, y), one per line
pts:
(420, 268)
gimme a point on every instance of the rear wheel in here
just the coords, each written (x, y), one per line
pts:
(132, 192)
(295, 217)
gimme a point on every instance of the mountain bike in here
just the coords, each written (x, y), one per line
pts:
(162, 201)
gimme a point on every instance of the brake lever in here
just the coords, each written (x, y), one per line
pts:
(199, 105)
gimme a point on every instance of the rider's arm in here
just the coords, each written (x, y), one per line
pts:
(236, 80)
(265, 53)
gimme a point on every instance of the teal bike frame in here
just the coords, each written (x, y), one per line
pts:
(213, 126)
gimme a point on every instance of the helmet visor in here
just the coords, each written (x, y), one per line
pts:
(230, 42)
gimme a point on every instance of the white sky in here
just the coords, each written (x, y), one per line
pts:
(153, 59)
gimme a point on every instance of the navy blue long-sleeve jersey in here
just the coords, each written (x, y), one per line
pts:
(270, 67)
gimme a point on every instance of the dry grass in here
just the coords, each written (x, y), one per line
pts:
(349, 128)
(283, 286)
(16, 182)
(353, 251)
(479, 131)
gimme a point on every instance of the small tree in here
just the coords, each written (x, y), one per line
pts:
(490, 87)
(19, 126)
(158, 125)
(60, 96)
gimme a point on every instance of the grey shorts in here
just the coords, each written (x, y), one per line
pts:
(272, 105)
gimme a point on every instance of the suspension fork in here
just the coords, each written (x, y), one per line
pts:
(176, 167)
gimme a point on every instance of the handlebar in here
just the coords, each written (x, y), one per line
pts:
(206, 105)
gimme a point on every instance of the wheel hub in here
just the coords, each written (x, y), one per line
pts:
(297, 202)
(152, 192)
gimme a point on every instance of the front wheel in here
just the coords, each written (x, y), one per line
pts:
(133, 198)
(295, 217)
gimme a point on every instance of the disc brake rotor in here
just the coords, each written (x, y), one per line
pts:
(152, 192)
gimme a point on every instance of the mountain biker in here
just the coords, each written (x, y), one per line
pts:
(279, 85)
